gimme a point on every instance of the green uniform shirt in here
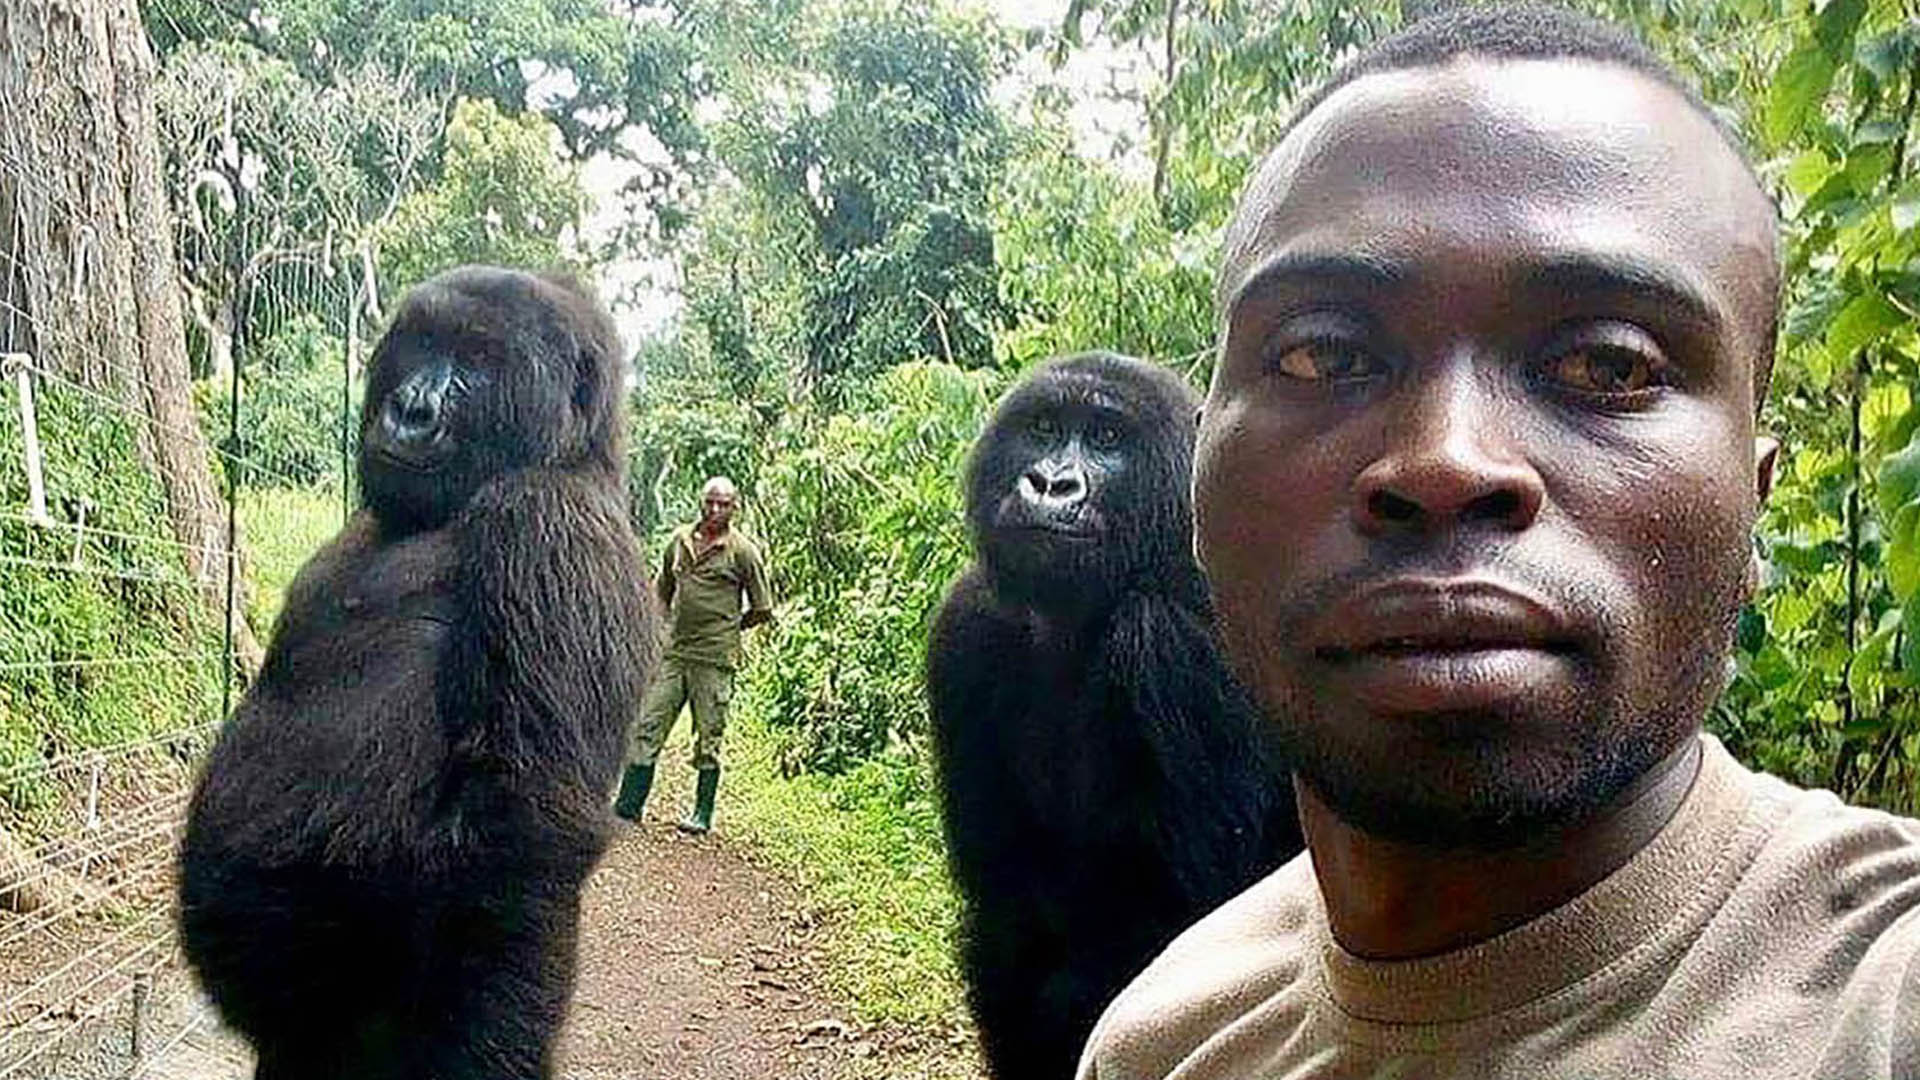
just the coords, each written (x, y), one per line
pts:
(703, 595)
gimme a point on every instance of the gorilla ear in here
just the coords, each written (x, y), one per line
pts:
(586, 374)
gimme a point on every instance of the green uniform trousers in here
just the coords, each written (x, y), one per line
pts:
(682, 682)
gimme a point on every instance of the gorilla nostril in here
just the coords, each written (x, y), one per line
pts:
(420, 411)
(1497, 505)
(1068, 486)
(1386, 506)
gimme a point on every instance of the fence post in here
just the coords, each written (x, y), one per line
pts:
(235, 462)
(21, 366)
(142, 1001)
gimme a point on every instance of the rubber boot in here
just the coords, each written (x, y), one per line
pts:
(633, 791)
(701, 820)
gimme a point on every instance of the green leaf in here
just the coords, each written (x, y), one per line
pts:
(1861, 323)
(1899, 479)
(1811, 311)
(1750, 632)
(1906, 206)
(1882, 55)
(1809, 170)
(1865, 727)
(1910, 635)
(1877, 132)
(1802, 82)
(1866, 164)
(1903, 552)
(1904, 287)
(1836, 26)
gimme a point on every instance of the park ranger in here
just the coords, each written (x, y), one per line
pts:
(708, 569)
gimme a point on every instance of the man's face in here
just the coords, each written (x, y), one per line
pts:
(716, 509)
(1477, 472)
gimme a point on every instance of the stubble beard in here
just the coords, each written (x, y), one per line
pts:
(1499, 779)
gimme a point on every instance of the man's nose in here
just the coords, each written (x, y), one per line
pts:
(1449, 458)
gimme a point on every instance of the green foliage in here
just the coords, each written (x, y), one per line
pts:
(862, 513)
(1225, 78)
(282, 528)
(879, 138)
(104, 642)
(1825, 689)
(502, 197)
(1087, 262)
(293, 412)
(611, 68)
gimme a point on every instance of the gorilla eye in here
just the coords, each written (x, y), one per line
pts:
(1104, 436)
(1326, 361)
(1619, 361)
(1044, 427)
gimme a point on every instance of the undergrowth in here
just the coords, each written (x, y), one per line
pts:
(104, 640)
(866, 846)
(282, 529)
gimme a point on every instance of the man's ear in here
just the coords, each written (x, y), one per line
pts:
(1766, 455)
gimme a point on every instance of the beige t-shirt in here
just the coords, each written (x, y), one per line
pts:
(1767, 933)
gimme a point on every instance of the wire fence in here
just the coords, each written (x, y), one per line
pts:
(115, 669)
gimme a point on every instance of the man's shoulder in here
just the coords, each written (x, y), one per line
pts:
(743, 543)
(1837, 890)
(1243, 954)
(1851, 855)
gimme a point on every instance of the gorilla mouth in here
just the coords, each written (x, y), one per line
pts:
(1067, 533)
(413, 463)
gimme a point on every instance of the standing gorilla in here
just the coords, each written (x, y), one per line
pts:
(1102, 783)
(381, 869)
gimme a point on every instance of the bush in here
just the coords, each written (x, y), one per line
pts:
(292, 416)
(862, 513)
(113, 647)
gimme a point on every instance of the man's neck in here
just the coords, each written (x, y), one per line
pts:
(1392, 901)
(709, 530)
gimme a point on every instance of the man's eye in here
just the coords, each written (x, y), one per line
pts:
(1326, 361)
(1607, 370)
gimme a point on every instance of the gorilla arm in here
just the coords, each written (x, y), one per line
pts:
(554, 636)
(975, 659)
(1193, 713)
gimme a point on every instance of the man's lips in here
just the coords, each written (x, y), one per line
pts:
(1437, 617)
(1414, 646)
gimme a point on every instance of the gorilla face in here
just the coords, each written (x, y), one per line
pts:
(483, 372)
(1078, 479)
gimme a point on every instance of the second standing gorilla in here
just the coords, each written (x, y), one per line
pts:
(1103, 786)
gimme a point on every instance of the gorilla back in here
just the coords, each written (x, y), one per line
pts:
(1102, 785)
(383, 855)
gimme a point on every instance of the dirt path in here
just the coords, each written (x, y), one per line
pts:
(695, 964)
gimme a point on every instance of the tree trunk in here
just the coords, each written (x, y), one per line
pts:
(92, 235)
(1163, 144)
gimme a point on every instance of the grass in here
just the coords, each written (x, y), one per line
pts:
(865, 846)
(281, 528)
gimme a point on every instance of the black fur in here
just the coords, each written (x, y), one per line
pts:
(1101, 780)
(381, 869)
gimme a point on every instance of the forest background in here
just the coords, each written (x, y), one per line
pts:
(872, 218)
